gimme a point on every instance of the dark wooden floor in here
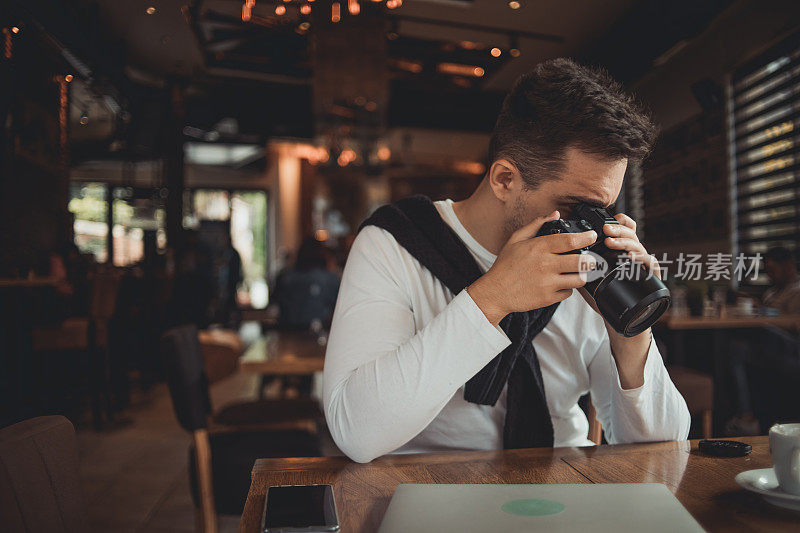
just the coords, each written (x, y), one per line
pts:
(135, 476)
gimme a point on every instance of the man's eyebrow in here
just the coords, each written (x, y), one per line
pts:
(583, 199)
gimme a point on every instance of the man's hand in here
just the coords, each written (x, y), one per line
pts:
(623, 236)
(630, 353)
(530, 273)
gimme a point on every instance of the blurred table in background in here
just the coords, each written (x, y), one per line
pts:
(284, 353)
(679, 323)
(704, 485)
(720, 329)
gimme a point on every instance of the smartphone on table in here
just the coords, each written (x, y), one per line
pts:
(294, 508)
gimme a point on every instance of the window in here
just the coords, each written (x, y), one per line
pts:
(243, 214)
(249, 237)
(139, 222)
(765, 142)
(87, 203)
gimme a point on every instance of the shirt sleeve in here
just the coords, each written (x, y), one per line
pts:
(385, 379)
(656, 411)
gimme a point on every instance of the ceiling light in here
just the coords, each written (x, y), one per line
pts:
(513, 45)
(15, 30)
(408, 65)
(305, 9)
(346, 157)
(470, 45)
(353, 7)
(280, 10)
(495, 52)
(68, 78)
(150, 10)
(457, 69)
(84, 118)
(513, 4)
(336, 12)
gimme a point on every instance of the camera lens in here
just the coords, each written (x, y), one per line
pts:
(630, 305)
(653, 310)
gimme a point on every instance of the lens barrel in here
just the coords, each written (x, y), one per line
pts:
(629, 304)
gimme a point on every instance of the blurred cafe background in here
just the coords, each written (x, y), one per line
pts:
(180, 181)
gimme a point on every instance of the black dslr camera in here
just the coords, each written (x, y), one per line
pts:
(631, 302)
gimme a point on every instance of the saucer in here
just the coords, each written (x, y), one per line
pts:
(764, 482)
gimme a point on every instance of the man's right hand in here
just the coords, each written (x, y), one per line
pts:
(529, 272)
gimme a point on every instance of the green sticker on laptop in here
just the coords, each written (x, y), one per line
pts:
(532, 507)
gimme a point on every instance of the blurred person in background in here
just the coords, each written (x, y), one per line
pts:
(194, 286)
(770, 353)
(306, 293)
(781, 268)
(230, 276)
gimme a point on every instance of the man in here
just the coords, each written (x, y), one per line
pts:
(414, 366)
(769, 351)
(781, 268)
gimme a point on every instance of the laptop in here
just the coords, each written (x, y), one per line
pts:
(613, 507)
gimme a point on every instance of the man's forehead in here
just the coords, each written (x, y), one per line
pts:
(592, 179)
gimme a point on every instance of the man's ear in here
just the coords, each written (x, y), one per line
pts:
(504, 179)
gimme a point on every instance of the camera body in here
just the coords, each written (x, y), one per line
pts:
(628, 297)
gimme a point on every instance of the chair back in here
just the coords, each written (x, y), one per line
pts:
(103, 294)
(221, 349)
(186, 377)
(40, 489)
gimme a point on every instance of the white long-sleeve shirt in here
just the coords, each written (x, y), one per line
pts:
(402, 346)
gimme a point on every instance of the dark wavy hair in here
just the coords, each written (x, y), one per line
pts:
(311, 255)
(561, 104)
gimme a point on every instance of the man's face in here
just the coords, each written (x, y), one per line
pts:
(586, 178)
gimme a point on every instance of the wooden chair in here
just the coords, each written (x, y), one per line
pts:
(595, 427)
(697, 388)
(221, 350)
(40, 489)
(221, 457)
(88, 335)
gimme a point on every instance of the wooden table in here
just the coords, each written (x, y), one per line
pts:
(287, 353)
(676, 323)
(704, 485)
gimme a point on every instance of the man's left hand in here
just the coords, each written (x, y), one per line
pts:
(630, 353)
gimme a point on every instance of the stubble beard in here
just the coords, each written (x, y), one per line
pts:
(515, 220)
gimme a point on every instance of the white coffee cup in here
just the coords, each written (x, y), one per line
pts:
(784, 445)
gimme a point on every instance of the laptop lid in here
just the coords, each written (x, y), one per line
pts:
(613, 507)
